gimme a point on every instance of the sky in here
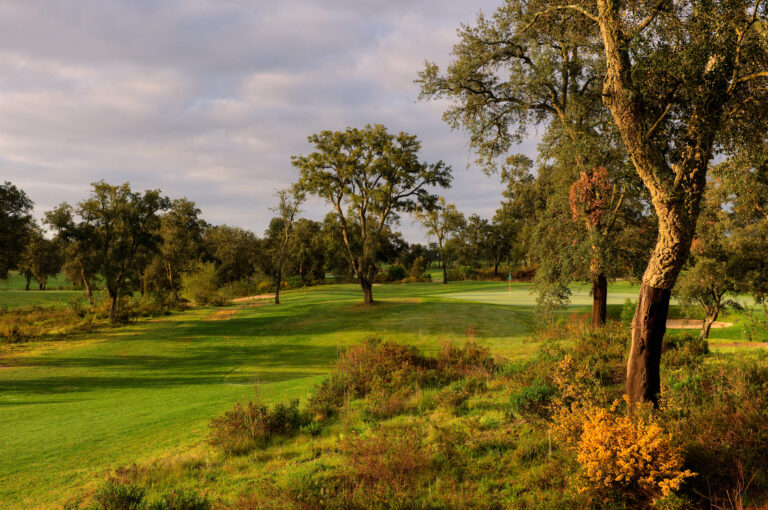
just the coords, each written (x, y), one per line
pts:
(208, 99)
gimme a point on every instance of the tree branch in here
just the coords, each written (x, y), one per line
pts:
(576, 8)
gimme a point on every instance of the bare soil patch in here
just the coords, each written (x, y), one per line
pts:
(694, 324)
(221, 315)
(258, 297)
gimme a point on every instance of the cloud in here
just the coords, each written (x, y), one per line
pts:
(208, 99)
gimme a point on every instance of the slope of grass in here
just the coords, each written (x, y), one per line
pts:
(71, 409)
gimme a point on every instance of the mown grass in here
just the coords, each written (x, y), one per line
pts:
(74, 408)
(13, 295)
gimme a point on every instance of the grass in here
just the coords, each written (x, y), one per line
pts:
(13, 295)
(72, 409)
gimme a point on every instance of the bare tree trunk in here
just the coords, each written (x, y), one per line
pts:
(648, 328)
(86, 285)
(367, 290)
(277, 288)
(599, 300)
(445, 272)
(113, 307)
(710, 318)
(29, 280)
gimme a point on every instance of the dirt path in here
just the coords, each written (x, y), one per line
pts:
(221, 315)
(694, 324)
(258, 297)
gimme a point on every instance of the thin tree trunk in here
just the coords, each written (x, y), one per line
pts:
(648, 328)
(367, 290)
(29, 280)
(599, 300)
(445, 273)
(708, 321)
(86, 285)
(113, 307)
(277, 289)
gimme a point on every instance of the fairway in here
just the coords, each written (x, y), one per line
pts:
(70, 410)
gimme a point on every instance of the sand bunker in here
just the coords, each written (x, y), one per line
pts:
(694, 324)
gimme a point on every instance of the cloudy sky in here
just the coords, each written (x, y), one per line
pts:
(208, 99)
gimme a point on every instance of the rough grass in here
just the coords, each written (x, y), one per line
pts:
(149, 389)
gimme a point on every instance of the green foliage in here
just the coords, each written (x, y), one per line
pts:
(15, 225)
(201, 285)
(179, 499)
(628, 311)
(116, 496)
(368, 177)
(534, 400)
(244, 429)
(395, 273)
(684, 351)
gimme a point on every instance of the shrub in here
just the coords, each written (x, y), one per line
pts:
(625, 457)
(392, 457)
(295, 282)
(686, 350)
(628, 312)
(246, 428)
(756, 325)
(466, 272)
(534, 400)
(175, 499)
(200, 285)
(718, 413)
(115, 496)
(266, 287)
(395, 273)
(417, 268)
(385, 364)
(470, 360)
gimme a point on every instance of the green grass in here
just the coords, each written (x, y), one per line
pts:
(13, 295)
(72, 409)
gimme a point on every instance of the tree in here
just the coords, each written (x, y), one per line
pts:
(441, 222)
(82, 259)
(181, 230)
(278, 236)
(506, 77)
(681, 79)
(728, 252)
(43, 259)
(307, 251)
(118, 224)
(15, 225)
(369, 177)
(233, 250)
(714, 268)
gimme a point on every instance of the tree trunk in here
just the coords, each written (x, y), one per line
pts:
(367, 290)
(86, 285)
(599, 300)
(648, 328)
(445, 273)
(113, 307)
(495, 269)
(277, 290)
(29, 280)
(710, 318)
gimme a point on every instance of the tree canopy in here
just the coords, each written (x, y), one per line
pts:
(369, 177)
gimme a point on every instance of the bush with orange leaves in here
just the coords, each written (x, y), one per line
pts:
(622, 455)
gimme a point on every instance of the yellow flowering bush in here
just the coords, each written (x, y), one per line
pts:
(625, 454)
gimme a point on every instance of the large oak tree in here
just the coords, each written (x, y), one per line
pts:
(682, 80)
(369, 177)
